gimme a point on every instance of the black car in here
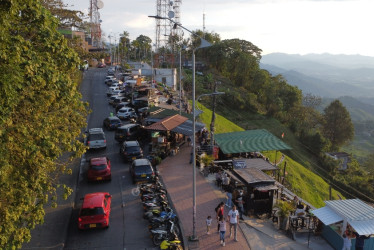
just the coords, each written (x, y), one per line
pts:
(131, 150)
(141, 170)
(129, 132)
(112, 122)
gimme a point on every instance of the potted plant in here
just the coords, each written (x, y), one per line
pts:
(284, 209)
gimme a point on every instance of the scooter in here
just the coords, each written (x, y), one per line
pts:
(159, 235)
(171, 244)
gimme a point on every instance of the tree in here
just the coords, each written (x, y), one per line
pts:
(41, 116)
(337, 127)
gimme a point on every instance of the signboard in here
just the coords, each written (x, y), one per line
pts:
(239, 164)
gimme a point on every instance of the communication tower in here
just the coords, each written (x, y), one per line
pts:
(164, 28)
(95, 28)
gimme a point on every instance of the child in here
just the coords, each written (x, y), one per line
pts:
(346, 242)
(208, 224)
(222, 230)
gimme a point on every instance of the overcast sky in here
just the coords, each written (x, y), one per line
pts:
(288, 26)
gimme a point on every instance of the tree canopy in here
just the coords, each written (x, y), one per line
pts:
(41, 115)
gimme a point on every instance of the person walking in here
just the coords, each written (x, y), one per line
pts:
(229, 196)
(220, 213)
(218, 178)
(347, 244)
(222, 230)
(208, 224)
(240, 201)
(233, 218)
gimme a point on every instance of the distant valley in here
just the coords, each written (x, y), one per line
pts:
(349, 78)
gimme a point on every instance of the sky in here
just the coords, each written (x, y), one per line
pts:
(285, 26)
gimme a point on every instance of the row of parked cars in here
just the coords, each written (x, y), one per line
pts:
(96, 207)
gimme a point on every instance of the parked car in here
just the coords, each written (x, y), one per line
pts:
(119, 100)
(95, 211)
(111, 90)
(96, 138)
(129, 132)
(141, 170)
(99, 169)
(112, 122)
(131, 150)
(126, 113)
(121, 105)
(111, 98)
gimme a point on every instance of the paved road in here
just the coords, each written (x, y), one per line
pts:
(127, 228)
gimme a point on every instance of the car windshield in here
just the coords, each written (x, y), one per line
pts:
(115, 121)
(98, 167)
(133, 149)
(143, 169)
(96, 137)
(92, 211)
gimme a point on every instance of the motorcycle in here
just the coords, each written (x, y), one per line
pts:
(159, 235)
(171, 244)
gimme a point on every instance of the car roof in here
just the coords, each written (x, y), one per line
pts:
(93, 200)
(95, 130)
(131, 143)
(141, 162)
(113, 118)
(128, 126)
(98, 161)
(125, 108)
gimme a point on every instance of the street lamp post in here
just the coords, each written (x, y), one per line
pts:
(203, 44)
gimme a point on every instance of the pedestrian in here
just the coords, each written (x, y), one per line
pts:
(226, 182)
(239, 200)
(219, 213)
(347, 244)
(191, 156)
(218, 178)
(233, 218)
(222, 230)
(189, 141)
(208, 224)
(229, 196)
(360, 241)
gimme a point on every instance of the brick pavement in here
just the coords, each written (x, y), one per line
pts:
(176, 173)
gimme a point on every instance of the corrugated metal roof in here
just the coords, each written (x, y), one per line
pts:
(249, 141)
(327, 215)
(363, 227)
(158, 112)
(186, 128)
(253, 175)
(352, 209)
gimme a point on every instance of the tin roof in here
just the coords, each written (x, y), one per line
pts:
(327, 215)
(253, 176)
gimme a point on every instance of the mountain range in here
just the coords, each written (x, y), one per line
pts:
(325, 75)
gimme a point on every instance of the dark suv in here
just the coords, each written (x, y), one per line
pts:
(131, 150)
(141, 170)
(112, 122)
(129, 132)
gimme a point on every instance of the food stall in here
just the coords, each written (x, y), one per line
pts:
(338, 215)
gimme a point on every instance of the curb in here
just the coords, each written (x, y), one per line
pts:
(184, 239)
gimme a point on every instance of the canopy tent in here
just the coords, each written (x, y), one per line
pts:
(353, 211)
(249, 141)
(186, 128)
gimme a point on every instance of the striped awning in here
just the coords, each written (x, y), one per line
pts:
(249, 141)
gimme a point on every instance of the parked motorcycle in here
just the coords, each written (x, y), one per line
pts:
(159, 235)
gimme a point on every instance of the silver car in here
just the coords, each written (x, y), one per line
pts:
(96, 138)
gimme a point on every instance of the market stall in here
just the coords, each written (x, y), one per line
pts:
(338, 215)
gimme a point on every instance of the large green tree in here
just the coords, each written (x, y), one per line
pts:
(41, 116)
(337, 127)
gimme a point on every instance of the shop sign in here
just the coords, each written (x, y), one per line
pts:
(239, 164)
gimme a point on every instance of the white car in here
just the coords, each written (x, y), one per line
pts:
(111, 90)
(126, 113)
(96, 138)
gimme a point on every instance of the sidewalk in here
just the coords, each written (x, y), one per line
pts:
(253, 233)
(176, 173)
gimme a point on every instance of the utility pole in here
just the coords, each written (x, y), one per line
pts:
(284, 172)
(213, 116)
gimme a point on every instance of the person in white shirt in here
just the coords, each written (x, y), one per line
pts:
(233, 217)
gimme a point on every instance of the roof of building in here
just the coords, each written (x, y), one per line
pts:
(167, 123)
(254, 176)
(158, 112)
(356, 212)
(249, 141)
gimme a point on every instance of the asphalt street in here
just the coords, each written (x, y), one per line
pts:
(127, 230)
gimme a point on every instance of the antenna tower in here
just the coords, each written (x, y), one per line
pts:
(95, 21)
(164, 27)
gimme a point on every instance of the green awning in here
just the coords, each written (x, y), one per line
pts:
(257, 140)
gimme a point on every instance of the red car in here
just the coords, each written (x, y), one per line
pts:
(99, 169)
(95, 211)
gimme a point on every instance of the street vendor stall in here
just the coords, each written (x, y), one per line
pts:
(338, 215)
(259, 189)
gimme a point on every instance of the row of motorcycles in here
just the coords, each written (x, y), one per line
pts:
(163, 222)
